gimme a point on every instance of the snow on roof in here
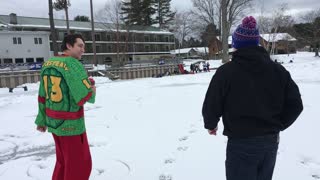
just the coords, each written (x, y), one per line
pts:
(275, 37)
(201, 49)
(181, 51)
(229, 39)
(43, 23)
(187, 50)
(89, 29)
(25, 32)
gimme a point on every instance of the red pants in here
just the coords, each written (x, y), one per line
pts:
(73, 158)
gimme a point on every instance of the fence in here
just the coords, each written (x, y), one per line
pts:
(142, 71)
(12, 79)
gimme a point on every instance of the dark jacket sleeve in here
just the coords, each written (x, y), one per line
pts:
(213, 103)
(292, 103)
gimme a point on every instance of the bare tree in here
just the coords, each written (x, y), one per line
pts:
(312, 18)
(182, 26)
(211, 11)
(272, 24)
(112, 17)
(52, 28)
(225, 34)
(63, 5)
(205, 11)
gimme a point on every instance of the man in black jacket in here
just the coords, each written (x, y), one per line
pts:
(257, 99)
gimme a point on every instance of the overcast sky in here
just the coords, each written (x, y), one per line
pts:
(39, 8)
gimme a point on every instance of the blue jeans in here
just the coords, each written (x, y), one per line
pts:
(251, 158)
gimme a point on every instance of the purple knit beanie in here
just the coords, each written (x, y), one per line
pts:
(246, 34)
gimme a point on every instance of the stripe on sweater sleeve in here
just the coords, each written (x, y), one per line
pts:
(41, 117)
(78, 83)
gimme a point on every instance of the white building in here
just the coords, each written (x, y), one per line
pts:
(23, 46)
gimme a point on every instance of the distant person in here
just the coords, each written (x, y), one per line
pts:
(204, 66)
(196, 67)
(199, 67)
(192, 68)
(64, 89)
(208, 66)
(256, 99)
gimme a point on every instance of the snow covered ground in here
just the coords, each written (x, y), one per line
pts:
(151, 129)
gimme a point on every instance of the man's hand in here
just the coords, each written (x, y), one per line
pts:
(42, 128)
(93, 89)
(213, 131)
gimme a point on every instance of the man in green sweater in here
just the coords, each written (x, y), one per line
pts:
(64, 89)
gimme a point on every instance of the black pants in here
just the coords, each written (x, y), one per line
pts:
(251, 158)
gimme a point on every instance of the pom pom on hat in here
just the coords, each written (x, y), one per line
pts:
(246, 34)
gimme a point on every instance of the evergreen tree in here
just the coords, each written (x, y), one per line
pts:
(164, 14)
(148, 11)
(63, 5)
(131, 9)
(137, 12)
(82, 18)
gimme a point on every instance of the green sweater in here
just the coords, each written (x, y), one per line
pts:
(64, 88)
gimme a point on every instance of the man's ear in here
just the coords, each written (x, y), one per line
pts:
(69, 46)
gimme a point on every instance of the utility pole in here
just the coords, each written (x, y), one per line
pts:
(225, 55)
(93, 36)
(52, 29)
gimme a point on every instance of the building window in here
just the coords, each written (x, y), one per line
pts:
(147, 48)
(37, 40)
(167, 39)
(109, 48)
(123, 38)
(122, 48)
(98, 49)
(108, 60)
(29, 60)
(7, 60)
(39, 60)
(146, 38)
(167, 48)
(97, 37)
(19, 60)
(108, 37)
(15, 40)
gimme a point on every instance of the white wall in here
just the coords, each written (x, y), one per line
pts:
(27, 48)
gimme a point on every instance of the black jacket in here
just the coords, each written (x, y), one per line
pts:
(254, 95)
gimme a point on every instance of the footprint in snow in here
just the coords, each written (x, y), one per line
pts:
(184, 138)
(169, 161)
(192, 131)
(165, 177)
(184, 148)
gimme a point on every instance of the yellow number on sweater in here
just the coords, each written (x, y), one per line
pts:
(56, 92)
(45, 81)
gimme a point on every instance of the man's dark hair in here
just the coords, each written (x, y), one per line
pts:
(70, 39)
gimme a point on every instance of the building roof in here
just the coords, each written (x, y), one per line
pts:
(25, 32)
(43, 23)
(187, 50)
(275, 37)
(202, 50)
(229, 39)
